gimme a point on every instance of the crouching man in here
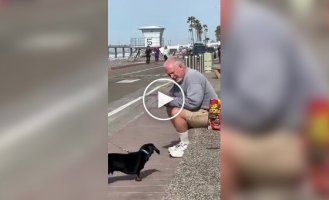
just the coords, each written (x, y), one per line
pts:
(198, 92)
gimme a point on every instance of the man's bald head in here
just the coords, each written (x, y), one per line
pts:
(175, 68)
(172, 60)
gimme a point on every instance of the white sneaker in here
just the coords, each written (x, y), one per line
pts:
(177, 153)
(178, 147)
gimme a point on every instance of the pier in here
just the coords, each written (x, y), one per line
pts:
(152, 38)
(136, 48)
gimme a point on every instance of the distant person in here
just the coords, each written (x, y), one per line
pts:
(179, 52)
(165, 53)
(156, 54)
(184, 51)
(148, 52)
(198, 92)
(219, 53)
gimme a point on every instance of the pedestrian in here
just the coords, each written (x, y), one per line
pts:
(148, 52)
(198, 92)
(156, 54)
(165, 53)
(219, 54)
(179, 52)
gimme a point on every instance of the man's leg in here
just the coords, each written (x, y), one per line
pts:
(179, 122)
(269, 159)
(181, 126)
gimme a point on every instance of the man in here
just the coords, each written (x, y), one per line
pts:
(148, 52)
(156, 54)
(165, 53)
(198, 92)
(219, 54)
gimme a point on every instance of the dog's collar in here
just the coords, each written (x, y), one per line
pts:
(147, 153)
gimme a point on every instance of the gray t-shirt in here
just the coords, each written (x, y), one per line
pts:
(197, 90)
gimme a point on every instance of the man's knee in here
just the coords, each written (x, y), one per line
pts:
(172, 111)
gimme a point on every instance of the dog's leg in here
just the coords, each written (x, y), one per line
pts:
(138, 178)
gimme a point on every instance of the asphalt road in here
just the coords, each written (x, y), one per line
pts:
(125, 89)
(119, 85)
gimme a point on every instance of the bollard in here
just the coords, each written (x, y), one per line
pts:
(186, 61)
(195, 62)
(199, 62)
(202, 63)
(190, 61)
(197, 67)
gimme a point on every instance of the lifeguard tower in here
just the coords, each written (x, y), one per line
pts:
(153, 37)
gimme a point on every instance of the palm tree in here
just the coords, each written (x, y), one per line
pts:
(217, 32)
(190, 21)
(199, 30)
(196, 26)
(205, 28)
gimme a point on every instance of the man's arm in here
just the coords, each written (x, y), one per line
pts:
(193, 98)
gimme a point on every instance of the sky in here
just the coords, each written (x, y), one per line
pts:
(126, 16)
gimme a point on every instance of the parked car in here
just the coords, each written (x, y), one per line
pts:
(210, 49)
(198, 48)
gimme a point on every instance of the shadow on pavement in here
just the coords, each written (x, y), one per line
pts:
(172, 143)
(144, 174)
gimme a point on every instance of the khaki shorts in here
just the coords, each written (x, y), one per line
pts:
(197, 119)
(277, 155)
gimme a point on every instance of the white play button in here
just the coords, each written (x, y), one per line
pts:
(150, 104)
(163, 99)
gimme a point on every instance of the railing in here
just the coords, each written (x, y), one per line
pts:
(144, 42)
(119, 51)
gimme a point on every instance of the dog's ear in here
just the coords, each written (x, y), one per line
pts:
(155, 149)
(150, 148)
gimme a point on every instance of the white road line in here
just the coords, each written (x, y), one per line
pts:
(134, 101)
(128, 81)
(139, 71)
(158, 75)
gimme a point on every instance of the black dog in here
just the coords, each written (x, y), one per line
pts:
(131, 163)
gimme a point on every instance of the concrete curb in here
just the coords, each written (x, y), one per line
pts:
(198, 174)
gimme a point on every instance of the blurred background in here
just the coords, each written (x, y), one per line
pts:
(275, 114)
(53, 88)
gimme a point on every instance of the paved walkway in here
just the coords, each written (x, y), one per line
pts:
(162, 173)
(158, 171)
